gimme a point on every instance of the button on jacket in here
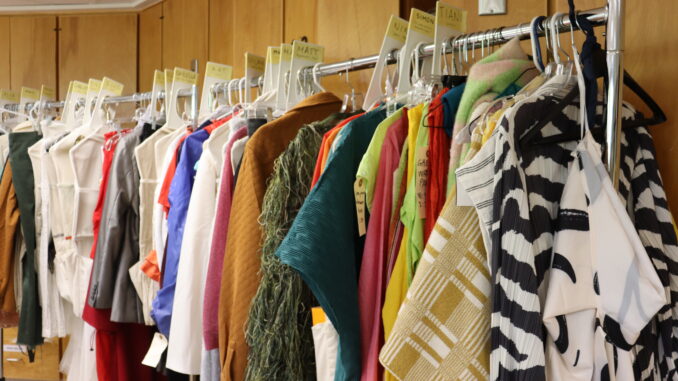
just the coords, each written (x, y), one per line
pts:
(240, 277)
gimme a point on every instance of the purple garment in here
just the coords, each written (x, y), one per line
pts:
(210, 311)
(179, 197)
(372, 283)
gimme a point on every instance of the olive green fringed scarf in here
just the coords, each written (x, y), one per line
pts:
(279, 325)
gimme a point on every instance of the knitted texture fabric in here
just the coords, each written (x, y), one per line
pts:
(279, 326)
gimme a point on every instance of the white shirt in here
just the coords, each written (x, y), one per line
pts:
(186, 339)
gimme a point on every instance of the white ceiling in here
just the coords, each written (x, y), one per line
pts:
(21, 6)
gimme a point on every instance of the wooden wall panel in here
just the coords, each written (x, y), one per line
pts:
(221, 34)
(300, 20)
(263, 27)
(33, 51)
(5, 81)
(94, 46)
(184, 33)
(649, 56)
(150, 45)
(352, 28)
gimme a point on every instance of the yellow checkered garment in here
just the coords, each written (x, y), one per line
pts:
(443, 328)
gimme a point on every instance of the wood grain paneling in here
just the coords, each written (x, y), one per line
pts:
(261, 28)
(300, 20)
(352, 28)
(221, 34)
(184, 32)
(150, 45)
(5, 81)
(33, 51)
(94, 46)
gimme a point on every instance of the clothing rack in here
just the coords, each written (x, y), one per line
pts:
(612, 16)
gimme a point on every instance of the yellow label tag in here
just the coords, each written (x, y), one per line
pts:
(422, 22)
(308, 51)
(9, 96)
(274, 54)
(286, 52)
(360, 196)
(30, 93)
(421, 179)
(451, 17)
(397, 29)
(185, 76)
(169, 76)
(158, 78)
(255, 62)
(318, 315)
(47, 93)
(219, 71)
(112, 86)
(94, 86)
(80, 88)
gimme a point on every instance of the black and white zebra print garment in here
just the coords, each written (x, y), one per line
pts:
(527, 190)
(642, 188)
(603, 288)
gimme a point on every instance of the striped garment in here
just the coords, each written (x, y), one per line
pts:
(443, 327)
(642, 188)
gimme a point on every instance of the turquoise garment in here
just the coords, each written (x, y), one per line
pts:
(323, 244)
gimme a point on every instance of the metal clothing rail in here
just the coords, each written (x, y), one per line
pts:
(133, 98)
(612, 16)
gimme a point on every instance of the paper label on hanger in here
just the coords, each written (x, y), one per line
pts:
(360, 195)
(396, 33)
(29, 94)
(9, 96)
(214, 73)
(450, 22)
(420, 30)
(112, 87)
(93, 86)
(158, 78)
(306, 51)
(218, 71)
(271, 71)
(283, 69)
(422, 22)
(185, 76)
(274, 51)
(155, 351)
(421, 164)
(169, 78)
(255, 62)
(47, 93)
(397, 29)
(254, 67)
(451, 17)
(304, 54)
(79, 88)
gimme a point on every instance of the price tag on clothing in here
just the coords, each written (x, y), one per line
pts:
(155, 351)
(421, 163)
(360, 197)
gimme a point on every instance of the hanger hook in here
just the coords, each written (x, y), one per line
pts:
(230, 92)
(316, 78)
(241, 89)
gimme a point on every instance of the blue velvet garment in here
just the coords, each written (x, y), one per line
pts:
(179, 197)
